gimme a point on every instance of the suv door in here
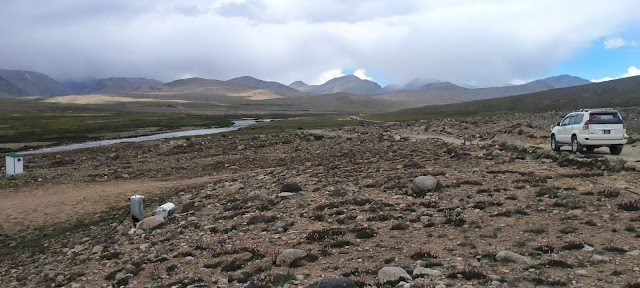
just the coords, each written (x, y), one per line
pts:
(564, 130)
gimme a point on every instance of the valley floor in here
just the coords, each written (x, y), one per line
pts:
(574, 218)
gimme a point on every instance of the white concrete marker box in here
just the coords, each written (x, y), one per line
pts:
(15, 164)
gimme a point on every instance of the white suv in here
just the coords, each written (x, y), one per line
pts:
(590, 129)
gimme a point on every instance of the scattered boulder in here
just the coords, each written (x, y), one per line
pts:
(288, 256)
(411, 164)
(97, 249)
(51, 274)
(508, 256)
(423, 184)
(420, 271)
(392, 274)
(289, 195)
(339, 192)
(341, 282)
(598, 259)
(150, 223)
(190, 207)
(290, 187)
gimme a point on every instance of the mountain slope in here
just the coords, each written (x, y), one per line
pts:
(118, 85)
(446, 92)
(34, 83)
(261, 84)
(192, 85)
(348, 84)
(615, 93)
(8, 90)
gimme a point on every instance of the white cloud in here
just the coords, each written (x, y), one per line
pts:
(617, 42)
(519, 81)
(631, 71)
(614, 43)
(488, 42)
(360, 74)
(326, 76)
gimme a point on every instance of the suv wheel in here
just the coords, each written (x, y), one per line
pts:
(554, 143)
(575, 145)
(615, 149)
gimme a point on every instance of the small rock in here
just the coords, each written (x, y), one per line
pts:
(508, 256)
(497, 153)
(51, 274)
(341, 282)
(391, 274)
(581, 272)
(426, 271)
(339, 192)
(598, 259)
(411, 164)
(288, 256)
(634, 252)
(190, 207)
(97, 249)
(290, 187)
(587, 248)
(150, 223)
(241, 147)
(289, 195)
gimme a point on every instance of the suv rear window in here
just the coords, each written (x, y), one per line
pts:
(605, 118)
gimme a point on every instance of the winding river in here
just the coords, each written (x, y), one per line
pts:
(237, 124)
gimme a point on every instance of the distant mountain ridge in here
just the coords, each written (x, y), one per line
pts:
(118, 85)
(418, 92)
(270, 85)
(34, 83)
(347, 84)
(447, 92)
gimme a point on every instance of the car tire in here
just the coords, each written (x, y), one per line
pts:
(615, 149)
(554, 143)
(590, 148)
(575, 145)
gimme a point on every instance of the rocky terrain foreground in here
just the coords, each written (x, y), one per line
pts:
(385, 205)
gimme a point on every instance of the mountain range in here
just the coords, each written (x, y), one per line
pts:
(417, 92)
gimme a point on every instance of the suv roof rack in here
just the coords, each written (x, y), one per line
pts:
(591, 109)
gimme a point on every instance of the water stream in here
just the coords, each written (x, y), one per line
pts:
(237, 124)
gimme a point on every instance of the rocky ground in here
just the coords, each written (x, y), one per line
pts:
(382, 205)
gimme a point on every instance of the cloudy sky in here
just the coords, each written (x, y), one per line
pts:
(480, 42)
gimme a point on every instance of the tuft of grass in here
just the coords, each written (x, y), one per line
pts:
(400, 226)
(568, 229)
(535, 230)
(364, 233)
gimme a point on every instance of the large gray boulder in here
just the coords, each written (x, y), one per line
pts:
(288, 256)
(150, 223)
(424, 184)
(391, 274)
(508, 256)
(341, 282)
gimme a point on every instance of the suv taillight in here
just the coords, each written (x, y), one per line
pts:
(586, 125)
